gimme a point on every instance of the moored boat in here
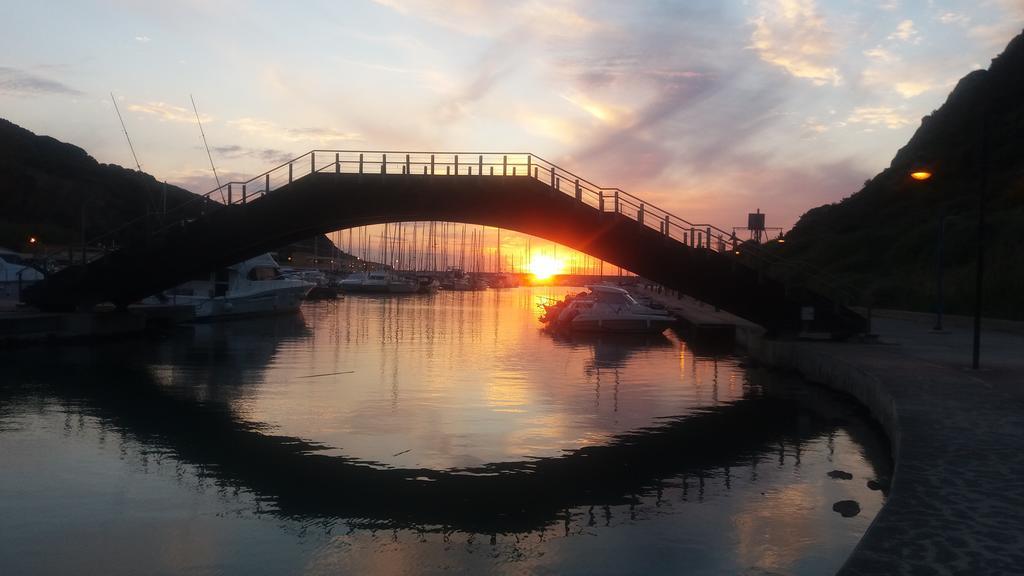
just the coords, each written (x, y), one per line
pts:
(605, 309)
(249, 288)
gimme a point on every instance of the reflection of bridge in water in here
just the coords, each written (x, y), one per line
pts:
(323, 191)
(681, 456)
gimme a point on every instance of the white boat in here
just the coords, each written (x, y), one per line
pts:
(610, 309)
(249, 288)
(15, 274)
(379, 282)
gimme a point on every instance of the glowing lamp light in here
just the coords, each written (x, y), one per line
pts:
(32, 240)
(920, 175)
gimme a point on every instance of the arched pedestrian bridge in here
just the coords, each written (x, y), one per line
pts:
(323, 191)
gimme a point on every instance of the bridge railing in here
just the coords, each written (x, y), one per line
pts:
(462, 164)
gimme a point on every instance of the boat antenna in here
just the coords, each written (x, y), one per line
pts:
(208, 155)
(125, 130)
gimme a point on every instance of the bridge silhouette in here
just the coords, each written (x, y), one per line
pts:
(326, 190)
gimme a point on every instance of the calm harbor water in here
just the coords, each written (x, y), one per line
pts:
(422, 434)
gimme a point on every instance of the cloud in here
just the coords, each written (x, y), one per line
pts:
(142, 39)
(793, 35)
(168, 112)
(950, 18)
(905, 32)
(267, 155)
(609, 114)
(16, 82)
(272, 131)
(886, 116)
(495, 64)
(551, 19)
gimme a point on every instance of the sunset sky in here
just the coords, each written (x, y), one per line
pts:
(709, 108)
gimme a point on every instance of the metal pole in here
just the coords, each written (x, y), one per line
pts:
(480, 164)
(229, 194)
(266, 186)
(938, 272)
(980, 270)
(244, 198)
(407, 164)
(312, 163)
(504, 165)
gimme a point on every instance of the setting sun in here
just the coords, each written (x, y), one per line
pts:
(544, 267)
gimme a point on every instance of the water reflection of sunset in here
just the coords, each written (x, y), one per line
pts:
(462, 378)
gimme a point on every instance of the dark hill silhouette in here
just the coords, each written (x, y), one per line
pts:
(47, 185)
(49, 188)
(882, 240)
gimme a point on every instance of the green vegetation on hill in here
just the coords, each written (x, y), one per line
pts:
(881, 241)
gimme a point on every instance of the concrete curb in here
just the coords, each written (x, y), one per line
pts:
(956, 502)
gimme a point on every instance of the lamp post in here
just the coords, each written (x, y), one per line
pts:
(924, 175)
(980, 265)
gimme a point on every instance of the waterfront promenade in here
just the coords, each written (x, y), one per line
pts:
(956, 502)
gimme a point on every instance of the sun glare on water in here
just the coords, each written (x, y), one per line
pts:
(544, 267)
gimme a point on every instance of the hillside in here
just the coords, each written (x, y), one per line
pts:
(881, 241)
(50, 188)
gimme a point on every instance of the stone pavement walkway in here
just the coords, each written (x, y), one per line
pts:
(956, 503)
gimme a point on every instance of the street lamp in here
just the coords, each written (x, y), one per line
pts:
(924, 175)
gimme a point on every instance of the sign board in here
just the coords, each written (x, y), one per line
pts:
(755, 221)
